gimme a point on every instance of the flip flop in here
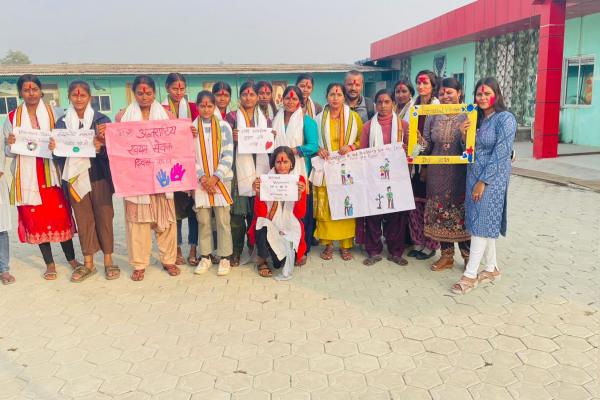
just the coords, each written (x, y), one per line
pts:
(50, 275)
(8, 280)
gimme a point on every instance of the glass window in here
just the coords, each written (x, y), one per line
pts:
(7, 104)
(579, 79)
(100, 103)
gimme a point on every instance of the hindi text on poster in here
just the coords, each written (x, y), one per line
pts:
(151, 157)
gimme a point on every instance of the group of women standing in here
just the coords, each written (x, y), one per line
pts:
(455, 203)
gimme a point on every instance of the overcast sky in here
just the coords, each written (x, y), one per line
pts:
(207, 32)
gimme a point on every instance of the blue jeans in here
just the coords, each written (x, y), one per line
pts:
(4, 252)
(192, 231)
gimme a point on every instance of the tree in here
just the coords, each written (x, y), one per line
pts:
(15, 57)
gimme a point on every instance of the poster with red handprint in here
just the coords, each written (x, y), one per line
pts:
(149, 157)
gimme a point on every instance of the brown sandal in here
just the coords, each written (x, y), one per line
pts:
(398, 260)
(235, 260)
(82, 273)
(486, 276)
(264, 270)
(444, 262)
(327, 253)
(464, 285)
(171, 269)
(7, 279)
(112, 272)
(371, 260)
(138, 275)
(346, 255)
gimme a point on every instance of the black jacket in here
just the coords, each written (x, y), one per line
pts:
(100, 166)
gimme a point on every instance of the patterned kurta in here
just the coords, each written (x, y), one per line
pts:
(445, 207)
(493, 147)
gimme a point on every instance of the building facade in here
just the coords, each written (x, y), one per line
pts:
(542, 52)
(111, 84)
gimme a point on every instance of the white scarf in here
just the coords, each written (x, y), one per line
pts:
(245, 168)
(28, 182)
(284, 221)
(183, 107)
(134, 113)
(317, 174)
(292, 137)
(324, 128)
(376, 132)
(77, 168)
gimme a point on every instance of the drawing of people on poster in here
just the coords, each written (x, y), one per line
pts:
(378, 200)
(390, 197)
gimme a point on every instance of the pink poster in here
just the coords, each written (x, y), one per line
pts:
(151, 156)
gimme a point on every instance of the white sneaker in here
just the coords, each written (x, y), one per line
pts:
(203, 266)
(224, 267)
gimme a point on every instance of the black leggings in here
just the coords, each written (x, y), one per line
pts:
(264, 250)
(67, 247)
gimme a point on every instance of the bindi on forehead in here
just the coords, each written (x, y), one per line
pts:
(144, 89)
(205, 103)
(282, 158)
(291, 94)
(222, 92)
(30, 86)
(423, 79)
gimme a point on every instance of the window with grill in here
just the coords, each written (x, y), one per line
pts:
(578, 81)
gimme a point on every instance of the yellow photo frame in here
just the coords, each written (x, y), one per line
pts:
(467, 157)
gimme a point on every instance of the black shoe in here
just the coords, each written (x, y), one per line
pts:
(413, 253)
(425, 256)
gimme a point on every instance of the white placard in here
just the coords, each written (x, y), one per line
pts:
(256, 141)
(31, 142)
(368, 182)
(74, 142)
(279, 187)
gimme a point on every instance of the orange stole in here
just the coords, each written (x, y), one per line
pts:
(216, 150)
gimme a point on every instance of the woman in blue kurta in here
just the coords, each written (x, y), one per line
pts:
(487, 183)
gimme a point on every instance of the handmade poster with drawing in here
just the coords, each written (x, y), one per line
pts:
(368, 182)
(150, 157)
(31, 142)
(279, 187)
(256, 141)
(74, 143)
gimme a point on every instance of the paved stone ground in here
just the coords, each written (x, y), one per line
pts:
(337, 331)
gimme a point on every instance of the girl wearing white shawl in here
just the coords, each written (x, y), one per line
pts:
(44, 213)
(89, 185)
(339, 129)
(153, 212)
(384, 128)
(277, 228)
(214, 162)
(299, 132)
(306, 83)
(178, 105)
(247, 167)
